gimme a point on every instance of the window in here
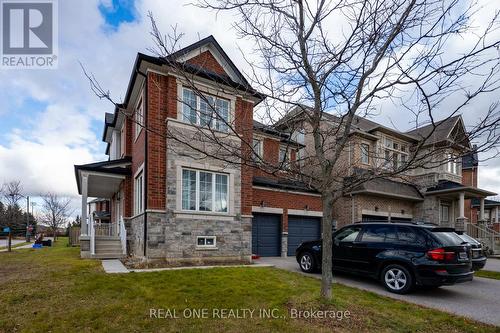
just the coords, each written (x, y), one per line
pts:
(257, 151)
(407, 235)
(389, 143)
(138, 194)
(347, 235)
(445, 211)
(204, 191)
(379, 234)
(205, 110)
(283, 158)
(452, 165)
(206, 241)
(139, 118)
(299, 136)
(365, 153)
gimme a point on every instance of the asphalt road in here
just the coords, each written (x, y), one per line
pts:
(492, 264)
(478, 299)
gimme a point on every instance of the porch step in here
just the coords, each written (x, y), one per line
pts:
(103, 255)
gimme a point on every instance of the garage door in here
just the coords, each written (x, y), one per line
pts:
(266, 235)
(301, 229)
(374, 218)
(400, 220)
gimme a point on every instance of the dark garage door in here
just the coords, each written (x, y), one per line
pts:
(301, 229)
(266, 240)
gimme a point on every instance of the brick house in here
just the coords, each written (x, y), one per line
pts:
(441, 193)
(169, 201)
(166, 201)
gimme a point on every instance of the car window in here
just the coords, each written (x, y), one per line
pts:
(347, 235)
(411, 236)
(379, 234)
(468, 239)
(448, 238)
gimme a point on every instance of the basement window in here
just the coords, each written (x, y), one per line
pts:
(206, 241)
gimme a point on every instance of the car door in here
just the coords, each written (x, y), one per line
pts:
(343, 241)
(374, 240)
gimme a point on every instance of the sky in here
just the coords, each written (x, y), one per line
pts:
(50, 120)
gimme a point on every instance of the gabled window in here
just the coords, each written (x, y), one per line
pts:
(452, 165)
(204, 191)
(365, 153)
(205, 110)
(139, 193)
(139, 117)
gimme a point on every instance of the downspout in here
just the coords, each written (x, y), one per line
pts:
(146, 106)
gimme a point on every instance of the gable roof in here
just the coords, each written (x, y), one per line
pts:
(214, 47)
(437, 132)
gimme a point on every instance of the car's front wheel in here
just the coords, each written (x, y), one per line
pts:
(307, 263)
(397, 279)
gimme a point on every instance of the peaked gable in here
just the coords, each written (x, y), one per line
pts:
(209, 55)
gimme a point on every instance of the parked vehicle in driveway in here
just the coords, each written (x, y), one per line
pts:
(478, 255)
(400, 255)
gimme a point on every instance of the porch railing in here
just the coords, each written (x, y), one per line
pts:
(106, 229)
(488, 236)
(123, 235)
(92, 235)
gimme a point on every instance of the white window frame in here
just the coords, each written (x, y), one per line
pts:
(447, 213)
(139, 192)
(365, 153)
(214, 177)
(205, 246)
(213, 119)
(286, 161)
(452, 165)
(260, 148)
(139, 116)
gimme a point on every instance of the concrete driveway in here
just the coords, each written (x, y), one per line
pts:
(492, 264)
(478, 299)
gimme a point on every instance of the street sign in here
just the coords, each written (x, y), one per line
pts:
(6, 229)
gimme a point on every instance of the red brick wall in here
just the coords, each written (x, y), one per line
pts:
(244, 127)
(159, 97)
(286, 200)
(208, 61)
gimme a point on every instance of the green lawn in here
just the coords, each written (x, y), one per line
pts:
(52, 289)
(488, 274)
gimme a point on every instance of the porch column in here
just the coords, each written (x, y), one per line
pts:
(481, 209)
(461, 206)
(84, 227)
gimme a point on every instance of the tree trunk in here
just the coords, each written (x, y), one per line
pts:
(10, 241)
(326, 262)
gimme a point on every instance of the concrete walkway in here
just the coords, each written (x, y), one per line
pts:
(478, 299)
(492, 264)
(114, 266)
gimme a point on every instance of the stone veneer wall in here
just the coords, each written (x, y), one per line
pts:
(135, 235)
(175, 239)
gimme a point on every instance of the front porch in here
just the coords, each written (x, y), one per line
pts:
(102, 180)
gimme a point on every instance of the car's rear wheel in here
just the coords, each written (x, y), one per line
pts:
(307, 263)
(397, 279)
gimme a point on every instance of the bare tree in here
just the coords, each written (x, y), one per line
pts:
(55, 211)
(12, 192)
(395, 50)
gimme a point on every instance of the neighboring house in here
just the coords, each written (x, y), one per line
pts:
(168, 203)
(99, 209)
(438, 193)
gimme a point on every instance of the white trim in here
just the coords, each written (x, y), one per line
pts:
(285, 191)
(269, 210)
(141, 99)
(303, 212)
(206, 247)
(101, 174)
(140, 171)
(197, 215)
(223, 135)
